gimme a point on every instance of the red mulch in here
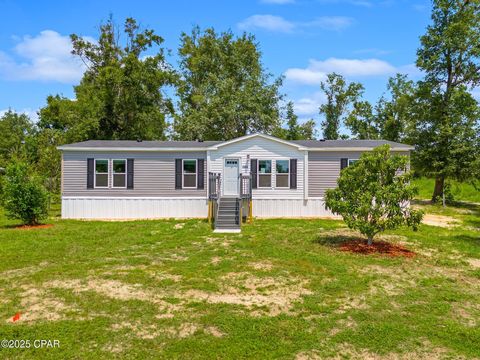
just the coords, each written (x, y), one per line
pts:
(378, 247)
(30, 227)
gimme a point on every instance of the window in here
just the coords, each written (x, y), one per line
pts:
(189, 176)
(264, 173)
(119, 173)
(101, 173)
(352, 161)
(282, 173)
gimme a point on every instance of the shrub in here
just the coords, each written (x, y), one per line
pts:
(24, 197)
(374, 194)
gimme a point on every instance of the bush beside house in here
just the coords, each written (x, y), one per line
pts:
(24, 196)
(374, 194)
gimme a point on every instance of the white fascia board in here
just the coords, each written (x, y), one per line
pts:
(246, 137)
(357, 149)
(130, 149)
(94, 197)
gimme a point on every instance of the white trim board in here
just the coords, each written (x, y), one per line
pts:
(334, 149)
(246, 137)
(132, 149)
(135, 197)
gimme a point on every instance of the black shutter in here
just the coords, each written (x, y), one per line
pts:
(201, 174)
(130, 173)
(343, 163)
(90, 173)
(293, 173)
(178, 173)
(253, 171)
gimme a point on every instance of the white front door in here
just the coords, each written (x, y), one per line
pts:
(230, 177)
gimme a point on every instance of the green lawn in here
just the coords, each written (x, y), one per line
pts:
(281, 289)
(460, 191)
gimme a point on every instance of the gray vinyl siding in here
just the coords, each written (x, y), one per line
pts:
(324, 169)
(154, 174)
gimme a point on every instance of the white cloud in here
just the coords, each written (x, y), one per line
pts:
(316, 71)
(267, 22)
(353, 67)
(32, 114)
(335, 23)
(278, 2)
(309, 105)
(411, 70)
(304, 76)
(45, 57)
(279, 24)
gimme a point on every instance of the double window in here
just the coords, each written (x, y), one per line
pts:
(282, 173)
(264, 173)
(102, 172)
(189, 173)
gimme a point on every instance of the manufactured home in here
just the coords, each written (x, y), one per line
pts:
(257, 175)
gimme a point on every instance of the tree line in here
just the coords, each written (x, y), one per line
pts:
(220, 89)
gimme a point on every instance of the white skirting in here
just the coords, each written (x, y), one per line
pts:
(133, 208)
(290, 208)
(109, 208)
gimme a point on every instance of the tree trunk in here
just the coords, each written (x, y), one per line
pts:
(438, 190)
(370, 240)
(443, 196)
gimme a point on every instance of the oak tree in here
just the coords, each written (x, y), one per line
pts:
(224, 91)
(447, 116)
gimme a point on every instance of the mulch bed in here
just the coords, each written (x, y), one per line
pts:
(31, 227)
(361, 246)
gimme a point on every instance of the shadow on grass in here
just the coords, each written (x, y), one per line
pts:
(469, 211)
(474, 207)
(358, 245)
(335, 240)
(471, 239)
(26, 227)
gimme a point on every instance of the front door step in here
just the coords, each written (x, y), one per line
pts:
(231, 231)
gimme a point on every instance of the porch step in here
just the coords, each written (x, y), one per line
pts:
(227, 214)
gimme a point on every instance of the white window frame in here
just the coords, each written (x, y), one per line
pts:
(95, 174)
(196, 174)
(348, 161)
(114, 173)
(287, 174)
(258, 174)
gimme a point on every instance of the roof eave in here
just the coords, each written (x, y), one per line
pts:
(136, 149)
(357, 149)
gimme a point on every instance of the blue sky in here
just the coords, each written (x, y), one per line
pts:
(365, 40)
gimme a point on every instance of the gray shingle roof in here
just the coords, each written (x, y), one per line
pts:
(132, 144)
(140, 144)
